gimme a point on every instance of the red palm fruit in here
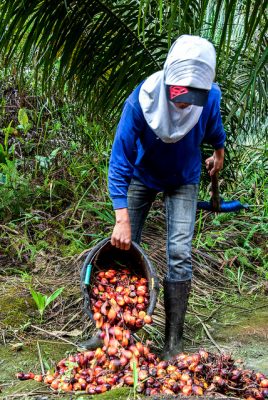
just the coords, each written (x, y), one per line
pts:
(162, 364)
(198, 368)
(124, 342)
(146, 351)
(38, 378)
(101, 288)
(203, 355)
(115, 365)
(114, 343)
(104, 296)
(257, 394)
(140, 299)
(128, 380)
(98, 303)
(187, 390)
(103, 309)
(126, 333)
(120, 300)
(143, 281)
(133, 363)
(99, 323)
(171, 368)
(104, 281)
(102, 388)
(185, 377)
(140, 347)
(119, 289)
(132, 321)
(55, 384)
(147, 319)
(111, 351)
(196, 358)
(112, 379)
(127, 299)
(99, 353)
(197, 390)
(161, 372)
(219, 381)
(141, 290)
(96, 317)
(77, 386)
(141, 307)
(143, 374)
(113, 280)
(192, 367)
(167, 391)
(259, 376)
(134, 350)
(127, 353)
(264, 383)
(20, 376)
(110, 273)
(140, 387)
(133, 278)
(101, 274)
(81, 360)
(134, 300)
(95, 291)
(176, 375)
(105, 326)
(83, 383)
(100, 380)
(91, 389)
(48, 379)
(150, 357)
(118, 333)
(66, 387)
(126, 316)
(124, 360)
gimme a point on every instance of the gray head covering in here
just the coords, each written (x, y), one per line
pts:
(191, 62)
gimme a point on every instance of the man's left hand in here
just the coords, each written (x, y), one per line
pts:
(216, 160)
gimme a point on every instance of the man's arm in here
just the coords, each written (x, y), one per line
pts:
(121, 236)
(124, 153)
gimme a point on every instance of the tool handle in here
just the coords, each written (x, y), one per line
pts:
(215, 197)
(88, 273)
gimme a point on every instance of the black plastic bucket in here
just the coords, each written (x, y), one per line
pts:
(105, 256)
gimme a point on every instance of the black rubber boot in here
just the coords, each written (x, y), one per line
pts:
(176, 296)
(91, 344)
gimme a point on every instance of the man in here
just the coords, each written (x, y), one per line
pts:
(157, 149)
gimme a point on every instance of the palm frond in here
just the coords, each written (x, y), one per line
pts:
(100, 50)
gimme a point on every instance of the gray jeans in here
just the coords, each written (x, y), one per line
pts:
(180, 206)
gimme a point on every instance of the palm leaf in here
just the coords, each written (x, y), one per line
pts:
(100, 50)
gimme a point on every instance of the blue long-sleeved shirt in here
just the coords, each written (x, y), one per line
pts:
(137, 152)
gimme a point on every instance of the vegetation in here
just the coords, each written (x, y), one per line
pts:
(65, 72)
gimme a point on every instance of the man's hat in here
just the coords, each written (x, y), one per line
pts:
(183, 94)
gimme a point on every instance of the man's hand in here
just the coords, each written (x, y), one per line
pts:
(217, 159)
(121, 236)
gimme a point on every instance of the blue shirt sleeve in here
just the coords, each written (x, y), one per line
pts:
(124, 153)
(215, 134)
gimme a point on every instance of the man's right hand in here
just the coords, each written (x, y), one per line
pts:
(121, 236)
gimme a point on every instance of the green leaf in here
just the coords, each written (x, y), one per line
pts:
(54, 295)
(23, 117)
(40, 300)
